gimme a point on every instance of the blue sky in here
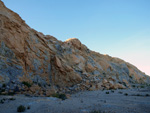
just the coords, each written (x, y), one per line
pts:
(119, 28)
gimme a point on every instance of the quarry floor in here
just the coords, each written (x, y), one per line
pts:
(107, 101)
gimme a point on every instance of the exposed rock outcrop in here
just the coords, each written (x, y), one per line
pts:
(38, 64)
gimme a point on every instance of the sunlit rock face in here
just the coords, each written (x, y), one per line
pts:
(40, 64)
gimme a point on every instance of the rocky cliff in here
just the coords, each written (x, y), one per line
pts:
(40, 64)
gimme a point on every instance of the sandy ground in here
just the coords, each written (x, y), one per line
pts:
(137, 101)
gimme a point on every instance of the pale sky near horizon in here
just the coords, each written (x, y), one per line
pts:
(119, 28)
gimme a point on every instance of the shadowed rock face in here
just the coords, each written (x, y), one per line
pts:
(49, 65)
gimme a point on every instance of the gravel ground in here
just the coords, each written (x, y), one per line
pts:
(119, 101)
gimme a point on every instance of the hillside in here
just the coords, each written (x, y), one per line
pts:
(38, 64)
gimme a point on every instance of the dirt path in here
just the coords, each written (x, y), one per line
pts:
(119, 101)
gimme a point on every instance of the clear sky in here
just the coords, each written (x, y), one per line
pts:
(119, 28)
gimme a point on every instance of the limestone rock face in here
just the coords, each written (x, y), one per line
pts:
(37, 63)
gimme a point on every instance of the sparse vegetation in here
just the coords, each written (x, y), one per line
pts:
(4, 85)
(10, 93)
(104, 73)
(138, 95)
(126, 94)
(6, 93)
(2, 101)
(3, 90)
(120, 92)
(112, 91)
(12, 99)
(131, 76)
(81, 101)
(133, 86)
(95, 111)
(61, 96)
(55, 95)
(28, 107)
(26, 84)
(21, 108)
(147, 95)
(107, 92)
(39, 85)
(142, 86)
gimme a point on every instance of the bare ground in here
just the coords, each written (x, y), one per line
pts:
(107, 101)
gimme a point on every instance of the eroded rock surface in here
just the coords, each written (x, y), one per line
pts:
(31, 62)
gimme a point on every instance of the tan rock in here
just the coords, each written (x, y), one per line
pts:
(68, 68)
(86, 74)
(75, 42)
(105, 81)
(35, 89)
(57, 62)
(1, 78)
(25, 78)
(99, 86)
(92, 88)
(77, 77)
(68, 96)
(125, 81)
(111, 84)
(107, 86)
(75, 59)
(81, 66)
(89, 67)
(50, 92)
(119, 86)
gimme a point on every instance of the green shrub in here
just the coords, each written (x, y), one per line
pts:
(120, 92)
(21, 108)
(26, 84)
(104, 73)
(12, 99)
(10, 93)
(3, 90)
(28, 107)
(4, 85)
(112, 91)
(107, 92)
(126, 94)
(138, 95)
(39, 85)
(2, 101)
(142, 86)
(55, 95)
(133, 85)
(95, 111)
(61, 96)
(147, 95)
